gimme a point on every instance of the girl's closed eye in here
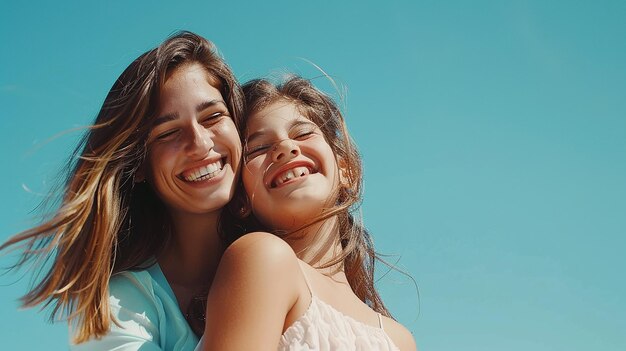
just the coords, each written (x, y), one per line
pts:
(304, 135)
(304, 130)
(254, 151)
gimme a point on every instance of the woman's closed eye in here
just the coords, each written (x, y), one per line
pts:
(166, 135)
(213, 118)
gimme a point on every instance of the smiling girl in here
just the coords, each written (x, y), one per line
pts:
(310, 284)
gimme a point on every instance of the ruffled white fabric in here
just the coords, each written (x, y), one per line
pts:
(323, 328)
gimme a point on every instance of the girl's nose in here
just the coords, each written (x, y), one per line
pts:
(200, 141)
(285, 150)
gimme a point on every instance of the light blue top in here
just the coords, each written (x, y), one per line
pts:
(145, 306)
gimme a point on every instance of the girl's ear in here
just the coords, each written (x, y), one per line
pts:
(245, 210)
(240, 205)
(344, 176)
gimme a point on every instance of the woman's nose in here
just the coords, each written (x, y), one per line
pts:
(285, 150)
(199, 141)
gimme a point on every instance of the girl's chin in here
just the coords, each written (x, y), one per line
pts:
(289, 222)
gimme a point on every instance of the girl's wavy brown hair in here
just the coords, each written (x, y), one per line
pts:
(106, 222)
(358, 256)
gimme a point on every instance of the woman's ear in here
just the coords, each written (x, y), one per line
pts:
(140, 174)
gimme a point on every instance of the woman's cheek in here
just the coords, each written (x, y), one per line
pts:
(227, 133)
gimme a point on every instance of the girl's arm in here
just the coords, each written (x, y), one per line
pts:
(255, 288)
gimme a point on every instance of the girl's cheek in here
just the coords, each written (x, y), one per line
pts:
(252, 175)
(248, 185)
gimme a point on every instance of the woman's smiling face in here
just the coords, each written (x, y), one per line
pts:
(290, 172)
(194, 149)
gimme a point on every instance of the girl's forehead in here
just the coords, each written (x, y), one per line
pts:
(276, 115)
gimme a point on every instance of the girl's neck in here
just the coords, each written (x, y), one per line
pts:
(319, 246)
(194, 251)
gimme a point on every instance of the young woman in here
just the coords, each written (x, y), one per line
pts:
(310, 286)
(135, 242)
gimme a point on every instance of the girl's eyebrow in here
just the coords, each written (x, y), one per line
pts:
(301, 122)
(255, 135)
(292, 124)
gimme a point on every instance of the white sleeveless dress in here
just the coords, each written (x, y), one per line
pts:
(324, 328)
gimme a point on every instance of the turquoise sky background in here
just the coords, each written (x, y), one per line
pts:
(493, 135)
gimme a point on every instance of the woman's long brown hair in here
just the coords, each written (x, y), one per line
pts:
(106, 222)
(358, 255)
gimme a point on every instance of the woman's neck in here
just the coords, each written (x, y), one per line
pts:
(193, 253)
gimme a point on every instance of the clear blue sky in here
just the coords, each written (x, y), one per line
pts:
(493, 135)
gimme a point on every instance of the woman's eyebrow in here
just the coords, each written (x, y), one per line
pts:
(165, 118)
(204, 105)
(199, 108)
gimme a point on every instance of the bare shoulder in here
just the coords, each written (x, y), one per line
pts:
(400, 335)
(255, 287)
(260, 258)
(260, 246)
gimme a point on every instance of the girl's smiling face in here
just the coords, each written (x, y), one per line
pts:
(290, 173)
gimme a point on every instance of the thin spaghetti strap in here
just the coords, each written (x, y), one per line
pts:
(380, 321)
(306, 278)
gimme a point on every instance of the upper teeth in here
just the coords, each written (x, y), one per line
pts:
(205, 172)
(291, 174)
